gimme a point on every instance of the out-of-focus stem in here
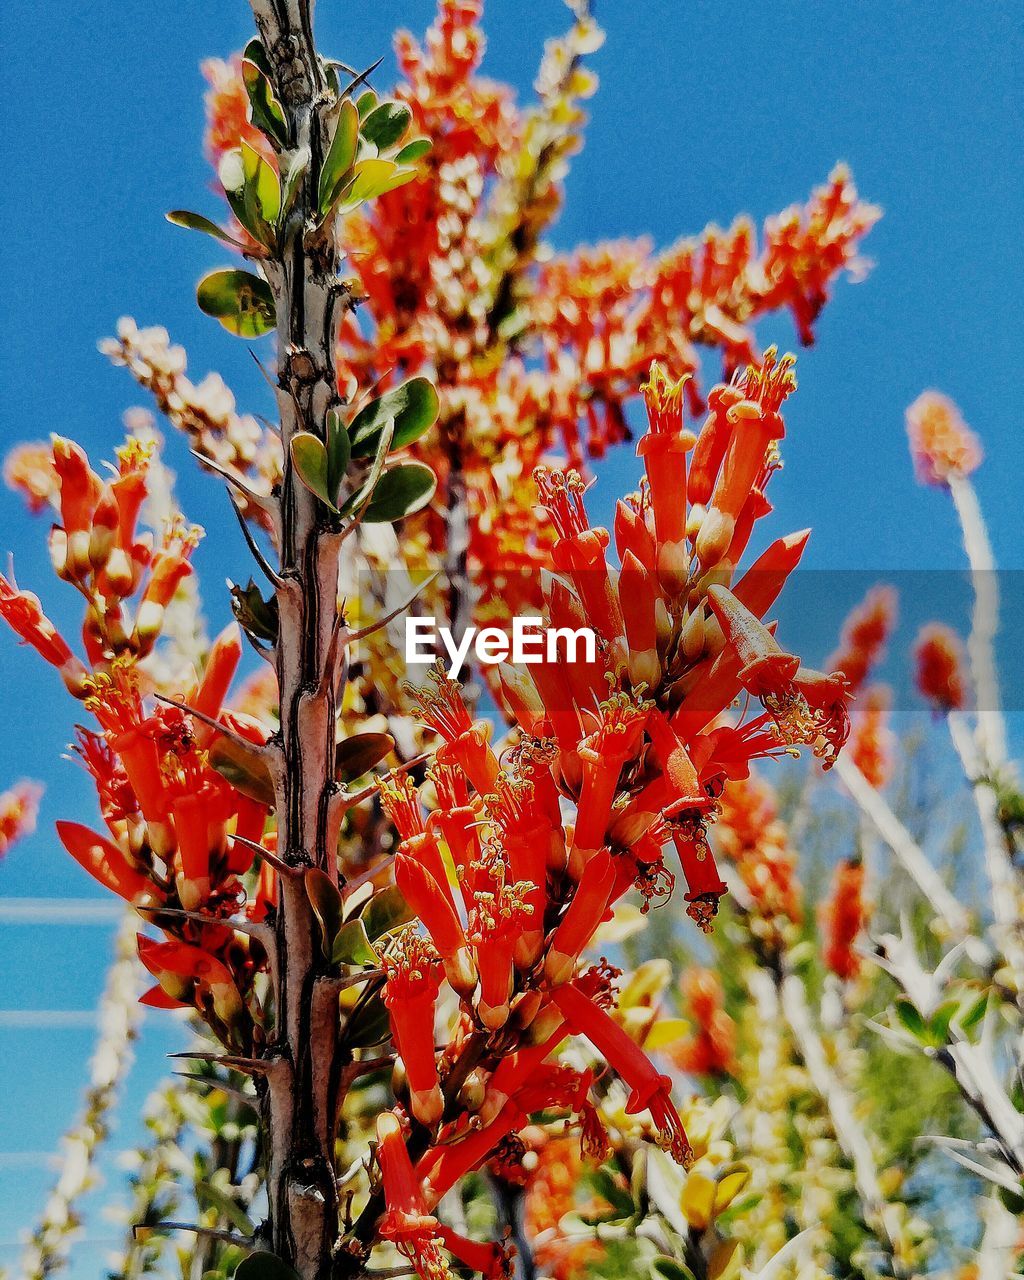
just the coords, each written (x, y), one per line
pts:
(119, 1017)
(1004, 887)
(879, 1214)
(909, 855)
(991, 729)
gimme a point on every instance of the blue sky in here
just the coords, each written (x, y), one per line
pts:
(705, 110)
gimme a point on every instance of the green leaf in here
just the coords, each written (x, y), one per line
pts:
(262, 185)
(267, 114)
(910, 1017)
(369, 178)
(325, 900)
(369, 1024)
(938, 1023)
(196, 222)
(358, 754)
(359, 499)
(414, 408)
(339, 452)
(340, 155)
(352, 947)
(255, 615)
(247, 771)
(255, 53)
(242, 302)
(226, 1206)
(670, 1269)
(264, 1266)
(413, 151)
(365, 103)
(239, 194)
(973, 1014)
(386, 124)
(386, 910)
(309, 458)
(400, 492)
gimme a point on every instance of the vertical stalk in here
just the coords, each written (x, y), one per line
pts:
(299, 1114)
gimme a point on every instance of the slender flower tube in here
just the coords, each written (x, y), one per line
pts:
(586, 911)
(412, 979)
(23, 613)
(639, 597)
(663, 450)
(649, 1089)
(406, 1223)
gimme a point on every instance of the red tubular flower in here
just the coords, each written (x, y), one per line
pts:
(585, 679)
(193, 976)
(649, 1089)
(939, 673)
(22, 612)
(663, 450)
(633, 535)
(442, 1167)
(766, 667)
(527, 841)
(705, 887)
(521, 698)
(756, 424)
(200, 828)
(104, 861)
(434, 908)
(496, 923)
(871, 741)
(80, 490)
(639, 597)
(221, 665)
(465, 743)
(711, 446)
(843, 918)
(412, 979)
(406, 1222)
(942, 445)
(580, 550)
(603, 754)
(761, 585)
(585, 912)
(400, 802)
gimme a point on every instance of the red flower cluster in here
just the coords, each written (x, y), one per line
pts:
(939, 673)
(864, 636)
(843, 918)
(711, 1049)
(179, 835)
(509, 889)
(942, 445)
(752, 836)
(19, 808)
(872, 744)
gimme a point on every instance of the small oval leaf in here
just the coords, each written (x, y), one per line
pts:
(264, 1266)
(352, 947)
(413, 151)
(247, 771)
(413, 406)
(309, 458)
(401, 492)
(242, 302)
(386, 124)
(325, 900)
(387, 910)
(358, 754)
(340, 155)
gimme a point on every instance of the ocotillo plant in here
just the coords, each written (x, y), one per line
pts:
(224, 829)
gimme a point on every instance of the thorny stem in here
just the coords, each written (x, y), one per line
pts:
(301, 1102)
